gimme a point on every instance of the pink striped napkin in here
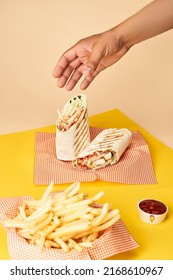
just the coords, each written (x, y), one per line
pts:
(134, 167)
(114, 240)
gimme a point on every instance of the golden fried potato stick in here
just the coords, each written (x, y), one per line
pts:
(92, 237)
(67, 237)
(40, 211)
(22, 211)
(112, 213)
(47, 193)
(51, 228)
(99, 228)
(42, 225)
(40, 242)
(86, 244)
(75, 245)
(63, 245)
(32, 205)
(88, 217)
(72, 189)
(107, 224)
(52, 244)
(64, 230)
(36, 221)
(96, 211)
(15, 223)
(87, 201)
(25, 234)
(74, 216)
(96, 221)
(69, 201)
(65, 211)
(58, 200)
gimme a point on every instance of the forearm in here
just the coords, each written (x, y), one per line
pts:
(152, 20)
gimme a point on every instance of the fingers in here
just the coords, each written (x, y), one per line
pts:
(71, 77)
(64, 77)
(65, 60)
(59, 68)
(68, 70)
(87, 80)
(75, 77)
(72, 66)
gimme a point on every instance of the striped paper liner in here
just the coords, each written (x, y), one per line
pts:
(134, 167)
(113, 241)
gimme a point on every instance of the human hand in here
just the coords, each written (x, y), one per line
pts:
(88, 58)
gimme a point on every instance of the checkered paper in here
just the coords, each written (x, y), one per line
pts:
(134, 167)
(113, 241)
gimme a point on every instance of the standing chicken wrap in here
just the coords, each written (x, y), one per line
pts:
(105, 149)
(72, 129)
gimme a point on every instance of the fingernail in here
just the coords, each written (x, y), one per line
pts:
(87, 70)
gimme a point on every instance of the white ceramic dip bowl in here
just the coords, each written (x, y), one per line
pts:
(152, 211)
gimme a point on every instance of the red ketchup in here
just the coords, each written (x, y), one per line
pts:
(152, 206)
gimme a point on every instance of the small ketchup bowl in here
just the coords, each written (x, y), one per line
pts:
(152, 211)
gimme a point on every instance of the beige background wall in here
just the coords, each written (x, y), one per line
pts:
(33, 36)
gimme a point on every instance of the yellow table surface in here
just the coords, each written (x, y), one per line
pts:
(155, 241)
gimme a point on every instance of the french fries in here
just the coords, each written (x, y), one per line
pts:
(64, 220)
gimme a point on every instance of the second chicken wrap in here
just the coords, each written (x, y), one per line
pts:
(105, 149)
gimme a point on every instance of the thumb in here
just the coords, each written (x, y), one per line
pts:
(93, 61)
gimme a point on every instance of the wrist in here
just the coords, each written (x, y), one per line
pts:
(121, 36)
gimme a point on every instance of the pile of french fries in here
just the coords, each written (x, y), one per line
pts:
(63, 220)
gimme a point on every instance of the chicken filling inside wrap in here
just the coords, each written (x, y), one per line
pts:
(96, 160)
(71, 113)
